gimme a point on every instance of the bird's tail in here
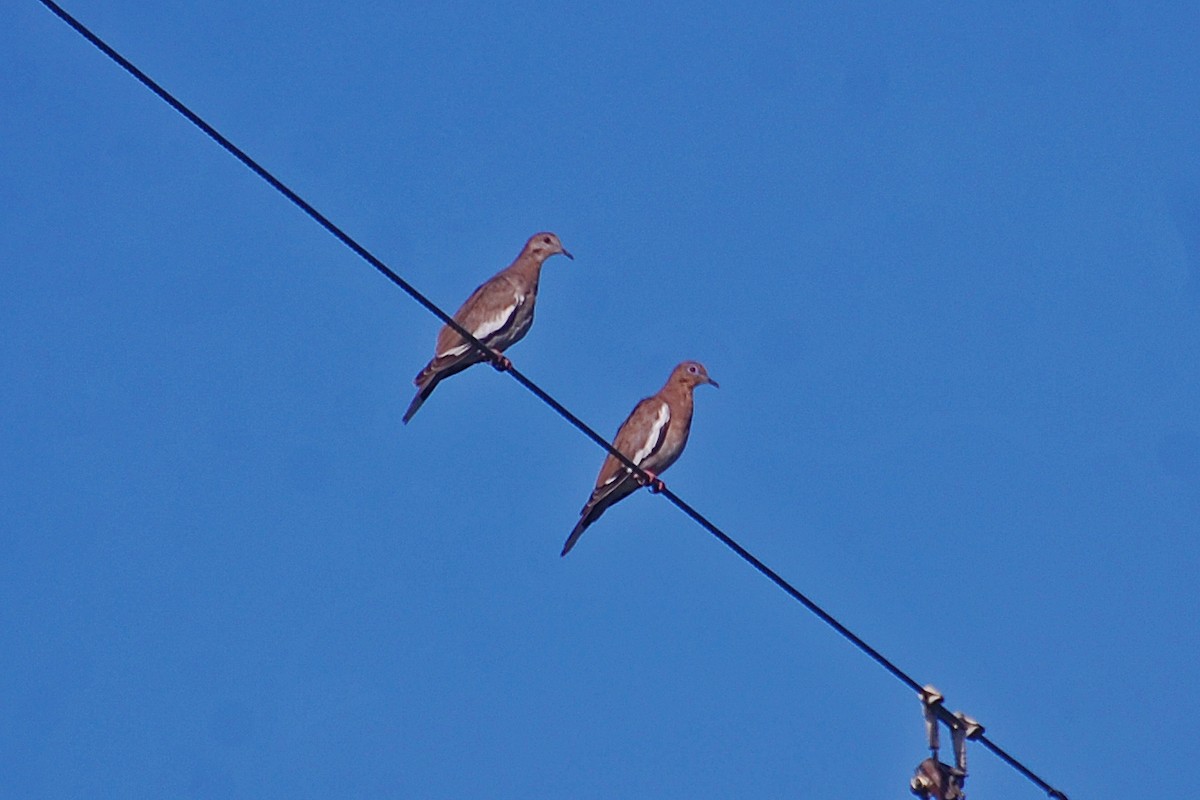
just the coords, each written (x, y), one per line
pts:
(586, 518)
(425, 374)
(426, 382)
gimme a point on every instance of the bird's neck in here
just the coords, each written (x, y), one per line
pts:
(679, 396)
(528, 267)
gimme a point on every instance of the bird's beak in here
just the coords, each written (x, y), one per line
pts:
(715, 385)
(567, 253)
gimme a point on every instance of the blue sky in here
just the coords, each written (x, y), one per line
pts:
(943, 259)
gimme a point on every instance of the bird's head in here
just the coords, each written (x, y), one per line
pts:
(692, 374)
(543, 245)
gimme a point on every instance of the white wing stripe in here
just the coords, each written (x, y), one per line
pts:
(486, 328)
(660, 422)
(490, 326)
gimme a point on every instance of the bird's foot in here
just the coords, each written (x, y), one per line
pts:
(499, 361)
(652, 481)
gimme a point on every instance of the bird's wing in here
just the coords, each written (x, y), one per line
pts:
(641, 435)
(488, 313)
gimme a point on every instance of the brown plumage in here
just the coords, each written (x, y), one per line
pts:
(498, 314)
(653, 437)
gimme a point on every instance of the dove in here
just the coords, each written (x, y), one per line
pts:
(499, 314)
(652, 437)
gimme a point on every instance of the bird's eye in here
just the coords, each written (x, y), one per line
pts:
(692, 369)
(546, 239)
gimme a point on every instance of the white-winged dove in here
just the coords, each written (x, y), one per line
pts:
(498, 314)
(652, 437)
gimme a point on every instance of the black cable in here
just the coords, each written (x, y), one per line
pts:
(825, 616)
(1055, 794)
(521, 378)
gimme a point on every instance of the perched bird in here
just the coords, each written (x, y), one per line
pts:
(498, 314)
(652, 437)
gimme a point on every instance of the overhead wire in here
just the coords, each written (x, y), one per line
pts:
(527, 382)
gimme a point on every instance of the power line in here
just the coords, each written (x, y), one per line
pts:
(525, 381)
(1019, 767)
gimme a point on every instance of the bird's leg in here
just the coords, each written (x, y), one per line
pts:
(499, 360)
(653, 481)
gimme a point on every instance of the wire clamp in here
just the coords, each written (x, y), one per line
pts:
(933, 779)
